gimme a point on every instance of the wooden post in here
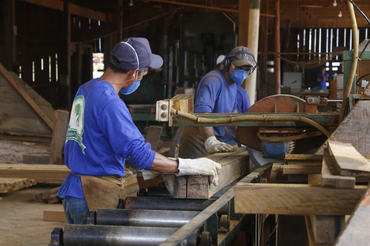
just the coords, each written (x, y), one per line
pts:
(249, 19)
(120, 36)
(8, 37)
(277, 68)
(61, 118)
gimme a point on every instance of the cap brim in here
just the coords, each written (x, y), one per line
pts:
(240, 63)
(157, 62)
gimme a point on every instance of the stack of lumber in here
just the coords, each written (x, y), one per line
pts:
(49, 196)
(40, 173)
(12, 184)
(234, 165)
(334, 190)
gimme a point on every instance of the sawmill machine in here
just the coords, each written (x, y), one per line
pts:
(271, 128)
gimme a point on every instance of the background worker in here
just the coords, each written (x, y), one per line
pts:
(322, 78)
(101, 136)
(216, 93)
(242, 102)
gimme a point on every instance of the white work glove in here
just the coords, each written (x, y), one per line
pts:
(212, 145)
(201, 166)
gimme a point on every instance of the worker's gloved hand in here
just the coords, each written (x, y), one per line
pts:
(212, 145)
(201, 166)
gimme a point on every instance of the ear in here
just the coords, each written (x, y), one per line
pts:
(132, 73)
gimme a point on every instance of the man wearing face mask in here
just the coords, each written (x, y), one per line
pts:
(217, 93)
(101, 136)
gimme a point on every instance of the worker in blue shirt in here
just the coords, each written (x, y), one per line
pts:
(217, 93)
(101, 136)
(322, 78)
(242, 103)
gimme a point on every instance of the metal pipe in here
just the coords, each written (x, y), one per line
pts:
(354, 62)
(155, 203)
(289, 138)
(252, 117)
(147, 218)
(97, 235)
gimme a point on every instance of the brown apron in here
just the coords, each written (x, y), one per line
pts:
(192, 144)
(103, 191)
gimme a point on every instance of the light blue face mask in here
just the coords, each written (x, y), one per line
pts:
(131, 89)
(238, 76)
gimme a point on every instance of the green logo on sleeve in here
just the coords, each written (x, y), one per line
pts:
(76, 123)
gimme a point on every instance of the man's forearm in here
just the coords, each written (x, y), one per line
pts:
(206, 132)
(164, 165)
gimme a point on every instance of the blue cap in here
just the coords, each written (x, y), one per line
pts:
(133, 53)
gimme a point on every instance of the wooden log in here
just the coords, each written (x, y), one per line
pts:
(356, 231)
(234, 165)
(60, 127)
(295, 199)
(347, 160)
(330, 175)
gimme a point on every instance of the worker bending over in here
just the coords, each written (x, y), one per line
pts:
(101, 136)
(217, 93)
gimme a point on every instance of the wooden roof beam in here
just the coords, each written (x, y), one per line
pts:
(74, 9)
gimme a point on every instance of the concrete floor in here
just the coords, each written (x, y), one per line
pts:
(21, 217)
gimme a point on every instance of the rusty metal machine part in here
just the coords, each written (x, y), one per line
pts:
(281, 104)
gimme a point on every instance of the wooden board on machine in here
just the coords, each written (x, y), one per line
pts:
(13, 184)
(234, 165)
(17, 114)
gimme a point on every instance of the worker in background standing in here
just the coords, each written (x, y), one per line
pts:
(216, 93)
(242, 103)
(322, 78)
(101, 136)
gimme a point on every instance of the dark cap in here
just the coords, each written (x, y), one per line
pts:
(133, 53)
(243, 59)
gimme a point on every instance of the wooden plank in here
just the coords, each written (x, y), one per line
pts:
(356, 231)
(13, 184)
(176, 186)
(295, 199)
(61, 118)
(153, 136)
(41, 173)
(56, 216)
(302, 157)
(348, 161)
(26, 125)
(34, 106)
(330, 175)
(234, 165)
(354, 129)
(301, 169)
(310, 225)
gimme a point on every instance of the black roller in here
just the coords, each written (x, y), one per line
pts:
(97, 235)
(149, 218)
(154, 203)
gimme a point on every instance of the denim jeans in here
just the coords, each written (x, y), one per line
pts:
(76, 210)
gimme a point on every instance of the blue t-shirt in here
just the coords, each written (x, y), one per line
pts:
(242, 105)
(214, 94)
(101, 136)
(322, 84)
